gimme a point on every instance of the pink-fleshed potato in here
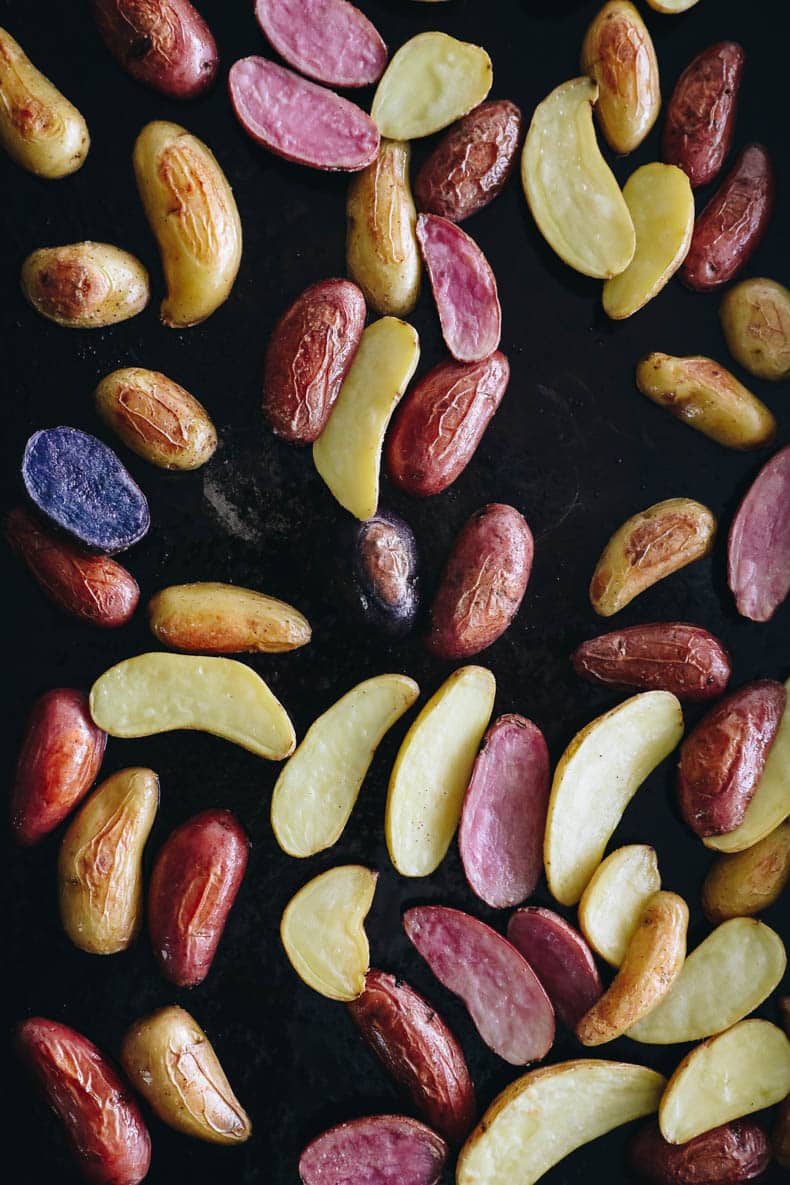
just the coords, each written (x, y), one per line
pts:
(464, 288)
(387, 1149)
(561, 959)
(329, 41)
(758, 548)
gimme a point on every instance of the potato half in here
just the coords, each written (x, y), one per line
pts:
(613, 901)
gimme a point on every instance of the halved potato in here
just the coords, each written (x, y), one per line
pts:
(317, 788)
(613, 901)
(572, 193)
(432, 771)
(734, 1074)
(723, 980)
(661, 203)
(347, 454)
(672, 6)
(546, 1114)
(597, 776)
(323, 931)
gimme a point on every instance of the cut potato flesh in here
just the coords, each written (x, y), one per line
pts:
(323, 931)
(613, 901)
(432, 771)
(316, 790)
(723, 980)
(572, 193)
(672, 6)
(347, 454)
(542, 1117)
(771, 803)
(661, 204)
(598, 775)
(739, 1072)
(160, 692)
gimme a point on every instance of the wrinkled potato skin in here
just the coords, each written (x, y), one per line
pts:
(745, 883)
(156, 418)
(618, 54)
(702, 394)
(666, 656)
(781, 1135)
(701, 113)
(381, 246)
(100, 876)
(755, 320)
(39, 128)
(164, 44)
(724, 1155)
(213, 618)
(85, 285)
(192, 212)
(651, 545)
(170, 1061)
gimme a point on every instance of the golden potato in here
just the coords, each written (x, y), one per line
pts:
(747, 882)
(619, 54)
(214, 618)
(755, 319)
(156, 418)
(85, 285)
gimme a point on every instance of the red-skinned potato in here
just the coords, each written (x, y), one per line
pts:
(387, 1149)
(60, 755)
(193, 885)
(664, 656)
(561, 959)
(701, 113)
(758, 547)
(722, 760)
(416, 1048)
(724, 1155)
(102, 1122)
(504, 814)
(483, 582)
(164, 44)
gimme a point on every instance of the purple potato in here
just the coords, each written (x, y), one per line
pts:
(385, 584)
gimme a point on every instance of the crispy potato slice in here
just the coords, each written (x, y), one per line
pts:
(571, 191)
(597, 776)
(740, 884)
(318, 787)
(323, 931)
(723, 980)
(347, 454)
(431, 82)
(736, 1073)
(526, 1130)
(613, 901)
(160, 692)
(432, 771)
(661, 203)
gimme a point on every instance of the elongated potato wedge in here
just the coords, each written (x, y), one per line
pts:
(318, 787)
(432, 771)
(661, 203)
(613, 901)
(528, 1129)
(347, 454)
(723, 980)
(431, 82)
(571, 191)
(160, 692)
(214, 618)
(598, 775)
(618, 53)
(741, 884)
(323, 931)
(736, 1073)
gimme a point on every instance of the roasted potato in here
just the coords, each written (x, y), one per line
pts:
(701, 113)
(561, 959)
(758, 547)
(387, 1149)
(156, 418)
(330, 41)
(85, 285)
(464, 289)
(164, 44)
(213, 618)
(383, 587)
(618, 53)
(725, 1155)
(748, 882)
(755, 320)
(664, 656)
(615, 899)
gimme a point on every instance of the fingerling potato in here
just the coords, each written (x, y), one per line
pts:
(164, 44)
(758, 546)
(85, 285)
(560, 958)
(384, 588)
(464, 289)
(615, 899)
(745, 883)
(726, 1155)
(755, 320)
(156, 418)
(387, 1149)
(664, 656)
(618, 53)
(330, 41)
(214, 618)
(701, 113)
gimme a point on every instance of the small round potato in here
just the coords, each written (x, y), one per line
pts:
(156, 418)
(85, 285)
(755, 320)
(39, 128)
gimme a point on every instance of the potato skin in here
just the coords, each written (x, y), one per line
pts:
(156, 418)
(781, 1135)
(472, 163)
(414, 1045)
(483, 583)
(164, 44)
(39, 128)
(618, 53)
(722, 760)
(385, 586)
(85, 285)
(745, 883)
(701, 113)
(665, 656)
(212, 618)
(755, 320)
(724, 1155)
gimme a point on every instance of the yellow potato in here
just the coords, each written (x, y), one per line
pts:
(432, 771)
(723, 980)
(430, 82)
(85, 285)
(213, 618)
(160, 692)
(596, 778)
(192, 212)
(702, 394)
(39, 128)
(347, 454)
(545, 1115)
(323, 931)
(755, 319)
(100, 873)
(619, 55)
(662, 209)
(156, 418)
(571, 191)
(744, 883)
(672, 6)
(735, 1073)
(613, 901)
(381, 246)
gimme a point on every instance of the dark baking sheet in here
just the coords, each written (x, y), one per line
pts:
(574, 446)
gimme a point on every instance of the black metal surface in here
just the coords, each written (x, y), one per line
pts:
(574, 446)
